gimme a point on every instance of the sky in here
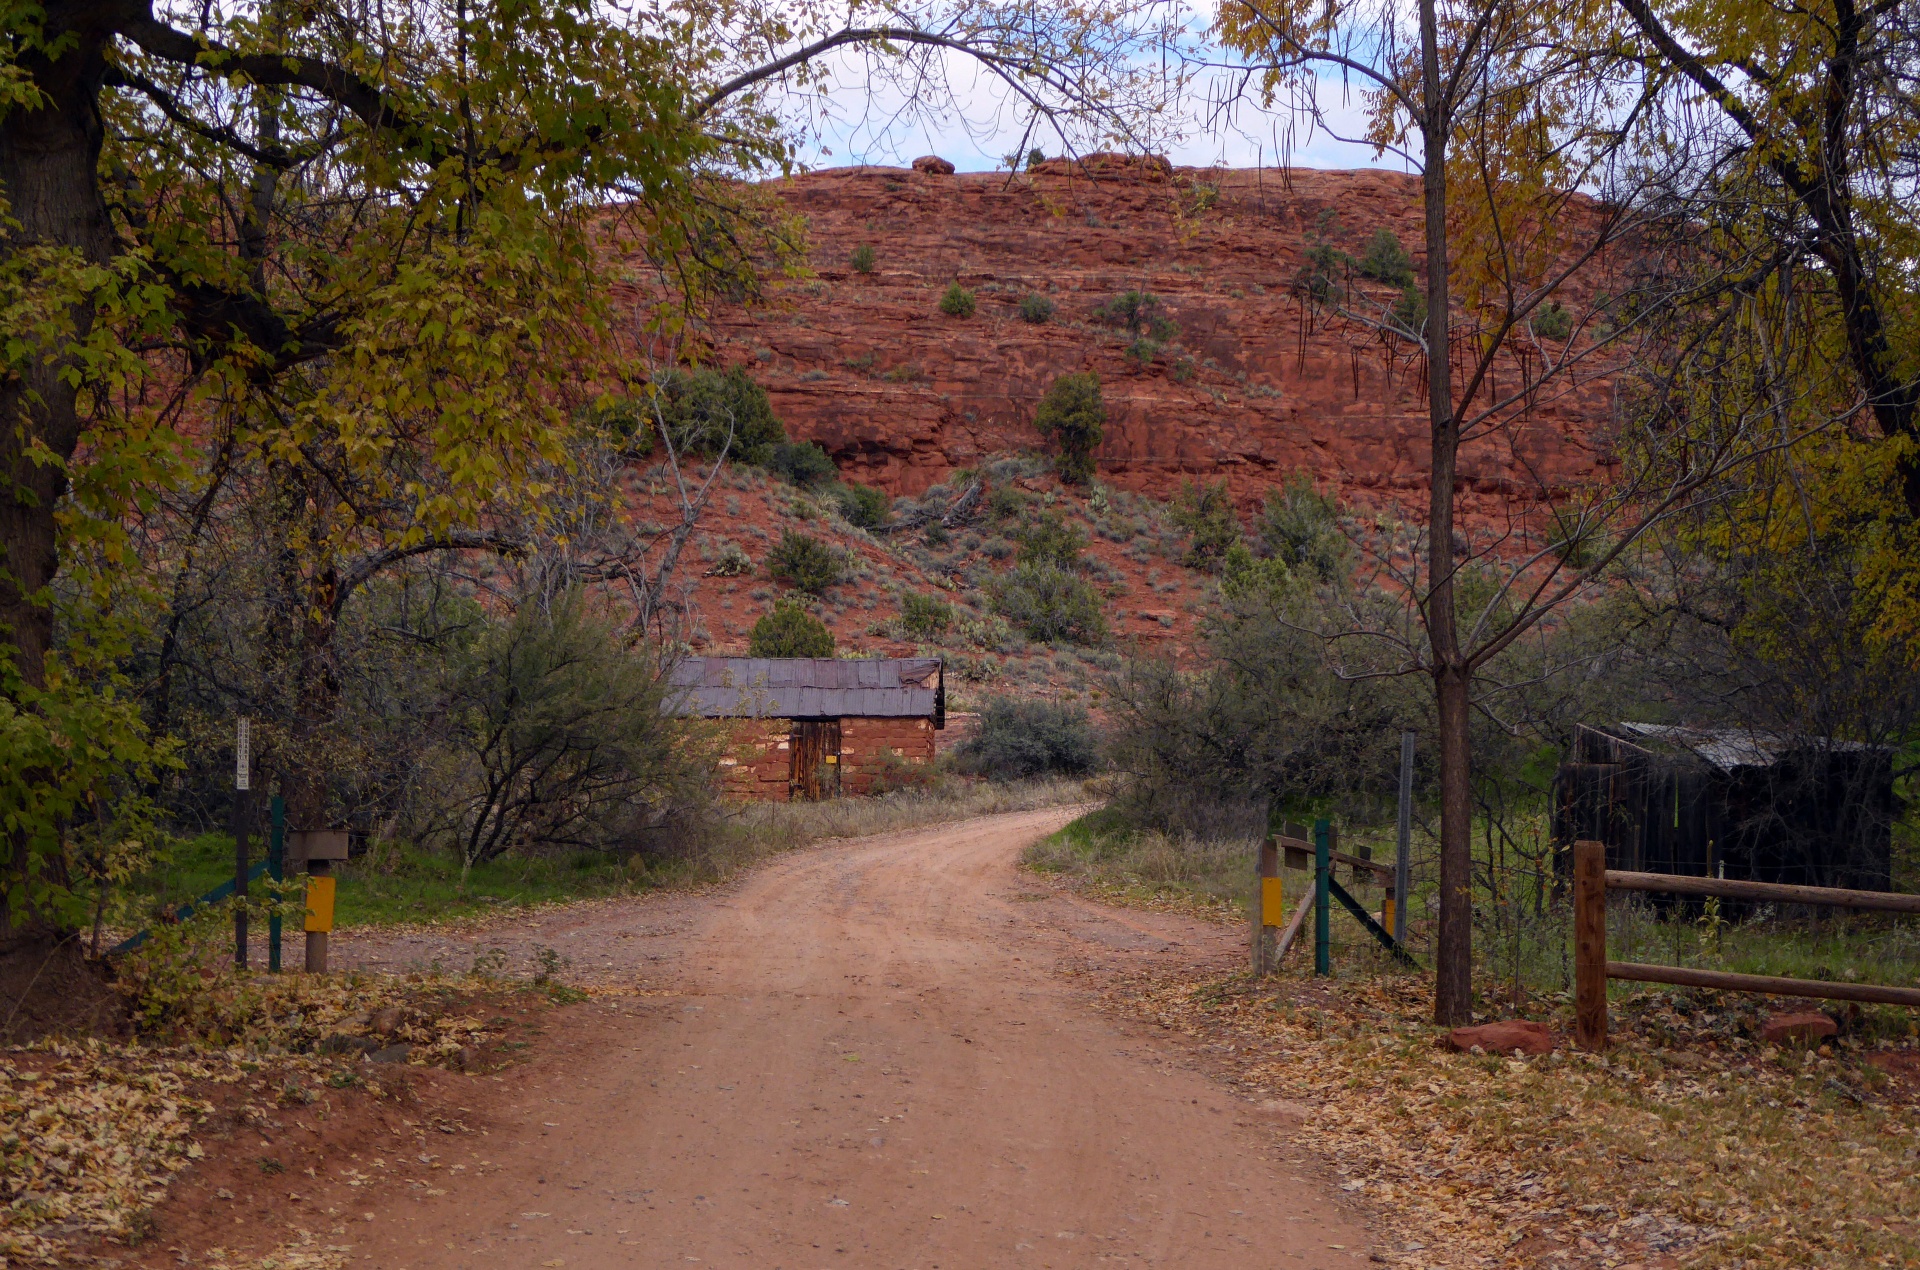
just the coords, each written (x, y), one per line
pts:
(973, 124)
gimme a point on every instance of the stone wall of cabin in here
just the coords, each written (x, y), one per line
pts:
(866, 744)
(759, 760)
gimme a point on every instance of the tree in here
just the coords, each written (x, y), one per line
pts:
(1509, 127)
(1021, 739)
(1206, 512)
(787, 630)
(1074, 418)
(360, 252)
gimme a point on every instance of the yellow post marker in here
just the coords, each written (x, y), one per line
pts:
(319, 904)
(1273, 902)
(1386, 913)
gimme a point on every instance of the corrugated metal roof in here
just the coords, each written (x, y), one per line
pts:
(1729, 748)
(809, 688)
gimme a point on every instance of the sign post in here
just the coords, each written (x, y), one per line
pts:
(242, 806)
(1403, 860)
(276, 869)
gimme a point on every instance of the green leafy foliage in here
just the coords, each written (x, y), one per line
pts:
(864, 258)
(1301, 527)
(1386, 260)
(1036, 308)
(805, 563)
(1140, 314)
(1073, 416)
(1552, 321)
(563, 736)
(1319, 277)
(1206, 513)
(1035, 157)
(801, 463)
(1410, 310)
(863, 506)
(958, 301)
(1050, 603)
(706, 411)
(1050, 540)
(788, 630)
(1019, 739)
(924, 616)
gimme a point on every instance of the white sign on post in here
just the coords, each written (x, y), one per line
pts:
(243, 755)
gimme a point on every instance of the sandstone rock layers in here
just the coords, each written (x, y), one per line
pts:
(1256, 385)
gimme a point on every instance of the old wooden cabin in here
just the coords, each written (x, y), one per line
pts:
(816, 727)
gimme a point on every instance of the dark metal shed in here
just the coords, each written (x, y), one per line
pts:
(1731, 802)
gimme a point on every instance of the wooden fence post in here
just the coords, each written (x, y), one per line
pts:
(276, 868)
(1590, 944)
(1266, 905)
(1322, 897)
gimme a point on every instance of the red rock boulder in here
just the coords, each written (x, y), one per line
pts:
(933, 165)
(1808, 1028)
(1503, 1037)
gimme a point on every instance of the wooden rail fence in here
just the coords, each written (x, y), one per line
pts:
(1591, 881)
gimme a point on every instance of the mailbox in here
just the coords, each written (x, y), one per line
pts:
(304, 845)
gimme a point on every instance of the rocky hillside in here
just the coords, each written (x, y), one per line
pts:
(1250, 386)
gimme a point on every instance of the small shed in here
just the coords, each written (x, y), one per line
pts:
(1730, 802)
(815, 727)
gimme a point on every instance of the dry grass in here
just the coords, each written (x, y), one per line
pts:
(1689, 1144)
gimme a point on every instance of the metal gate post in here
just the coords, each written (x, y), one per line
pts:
(1322, 915)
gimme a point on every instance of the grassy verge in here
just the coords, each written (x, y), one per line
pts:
(398, 883)
(1103, 854)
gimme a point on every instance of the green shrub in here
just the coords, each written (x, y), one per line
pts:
(701, 407)
(1385, 260)
(1410, 310)
(957, 302)
(1019, 739)
(1074, 417)
(805, 563)
(1318, 279)
(733, 562)
(863, 258)
(863, 506)
(1140, 315)
(1206, 513)
(1300, 525)
(1035, 157)
(1050, 603)
(924, 616)
(1551, 321)
(787, 630)
(1006, 502)
(626, 423)
(1143, 351)
(801, 463)
(1035, 308)
(1051, 540)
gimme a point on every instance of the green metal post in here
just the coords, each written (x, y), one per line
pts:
(1322, 913)
(276, 866)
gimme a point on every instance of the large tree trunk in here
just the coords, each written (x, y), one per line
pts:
(48, 164)
(1453, 954)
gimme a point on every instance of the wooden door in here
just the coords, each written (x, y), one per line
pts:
(815, 746)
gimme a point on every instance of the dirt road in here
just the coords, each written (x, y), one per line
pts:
(862, 1056)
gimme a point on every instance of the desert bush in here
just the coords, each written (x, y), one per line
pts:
(801, 463)
(1036, 308)
(1386, 260)
(1139, 314)
(1021, 739)
(1050, 540)
(863, 506)
(1301, 526)
(1410, 310)
(703, 408)
(863, 258)
(734, 562)
(1319, 276)
(1206, 513)
(561, 738)
(1035, 157)
(788, 630)
(924, 616)
(805, 563)
(1552, 321)
(1050, 603)
(1074, 417)
(957, 302)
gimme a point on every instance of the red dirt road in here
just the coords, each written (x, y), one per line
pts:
(867, 1060)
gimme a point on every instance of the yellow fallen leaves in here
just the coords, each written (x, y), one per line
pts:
(90, 1135)
(1716, 1151)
